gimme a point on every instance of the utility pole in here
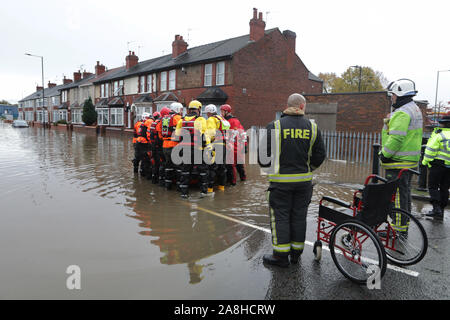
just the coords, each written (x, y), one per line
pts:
(43, 86)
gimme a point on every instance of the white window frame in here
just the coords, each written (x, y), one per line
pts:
(163, 81)
(102, 114)
(220, 76)
(142, 84)
(140, 111)
(64, 95)
(155, 81)
(77, 116)
(172, 79)
(55, 117)
(63, 115)
(149, 83)
(117, 113)
(39, 116)
(207, 81)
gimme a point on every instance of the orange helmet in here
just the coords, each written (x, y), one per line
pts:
(225, 107)
(164, 111)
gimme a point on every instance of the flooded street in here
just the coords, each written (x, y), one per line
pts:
(72, 198)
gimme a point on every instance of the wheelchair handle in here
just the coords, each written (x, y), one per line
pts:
(374, 176)
(410, 170)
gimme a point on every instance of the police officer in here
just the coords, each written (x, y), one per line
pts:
(401, 143)
(298, 150)
(437, 158)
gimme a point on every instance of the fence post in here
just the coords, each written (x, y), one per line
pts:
(423, 172)
(376, 160)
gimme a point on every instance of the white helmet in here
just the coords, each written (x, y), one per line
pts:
(402, 87)
(176, 107)
(210, 108)
(145, 116)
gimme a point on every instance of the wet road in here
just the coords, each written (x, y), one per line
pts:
(72, 199)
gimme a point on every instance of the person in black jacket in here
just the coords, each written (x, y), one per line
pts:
(292, 147)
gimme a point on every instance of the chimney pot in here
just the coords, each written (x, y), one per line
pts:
(257, 26)
(255, 12)
(178, 46)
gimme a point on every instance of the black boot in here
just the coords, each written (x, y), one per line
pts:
(436, 212)
(274, 260)
(294, 255)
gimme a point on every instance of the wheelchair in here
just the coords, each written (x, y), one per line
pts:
(363, 235)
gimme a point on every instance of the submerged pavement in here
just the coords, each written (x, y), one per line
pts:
(71, 199)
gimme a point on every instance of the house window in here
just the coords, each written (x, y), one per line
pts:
(117, 116)
(118, 88)
(140, 111)
(103, 117)
(39, 116)
(29, 115)
(149, 83)
(55, 117)
(220, 73)
(142, 84)
(172, 79)
(208, 75)
(55, 100)
(63, 115)
(163, 84)
(64, 96)
(77, 116)
(154, 82)
(104, 90)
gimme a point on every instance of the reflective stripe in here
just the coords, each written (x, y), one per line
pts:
(443, 157)
(431, 149)
(298, 245)
(401, 153)
(311, 143)
(277, 146)
(290, 177)
(399, 165)
(399, 133)
(282, 247)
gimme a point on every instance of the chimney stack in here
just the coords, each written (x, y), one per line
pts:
(86, 74)
(131, 59)
(290, 37)
(77, 76)
(178, 46)
(257, 26)
(66, 81)
(99, 69)
(51, 85)
(39, 88)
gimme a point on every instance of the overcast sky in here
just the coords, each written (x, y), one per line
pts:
(402, 39)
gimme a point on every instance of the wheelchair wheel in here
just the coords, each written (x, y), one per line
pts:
(357, 251)
(409, 245)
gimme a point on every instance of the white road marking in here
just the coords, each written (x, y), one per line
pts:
(309, 243)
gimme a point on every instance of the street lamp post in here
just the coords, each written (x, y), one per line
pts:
(435, 101)
(360, 75)
(43, 85)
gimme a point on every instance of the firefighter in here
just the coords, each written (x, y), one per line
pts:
(191, 132)
(298, 150)
(236, 144)
(156, 147)
(165, 112)
(217, 127)
(143, 146)
(437, 158)
(136, 132)
(401, 144)
(167, 128)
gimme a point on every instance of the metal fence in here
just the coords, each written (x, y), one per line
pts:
(350, 146)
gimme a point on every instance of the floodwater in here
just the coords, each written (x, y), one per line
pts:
(70, 198)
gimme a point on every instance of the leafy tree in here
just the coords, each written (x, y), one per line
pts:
(4, 102)
(349, 80)
(89, 116)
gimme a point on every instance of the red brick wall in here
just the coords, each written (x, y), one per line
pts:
(269, 73)
(357, 112)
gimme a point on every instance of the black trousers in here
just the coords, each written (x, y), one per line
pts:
(403, 198)
(142, 158)
(170, 173)
(438, 185)
(288, 207)
(157, 159)
(217, 170)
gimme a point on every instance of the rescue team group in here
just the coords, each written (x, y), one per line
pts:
(220, 140)
(292, 147)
